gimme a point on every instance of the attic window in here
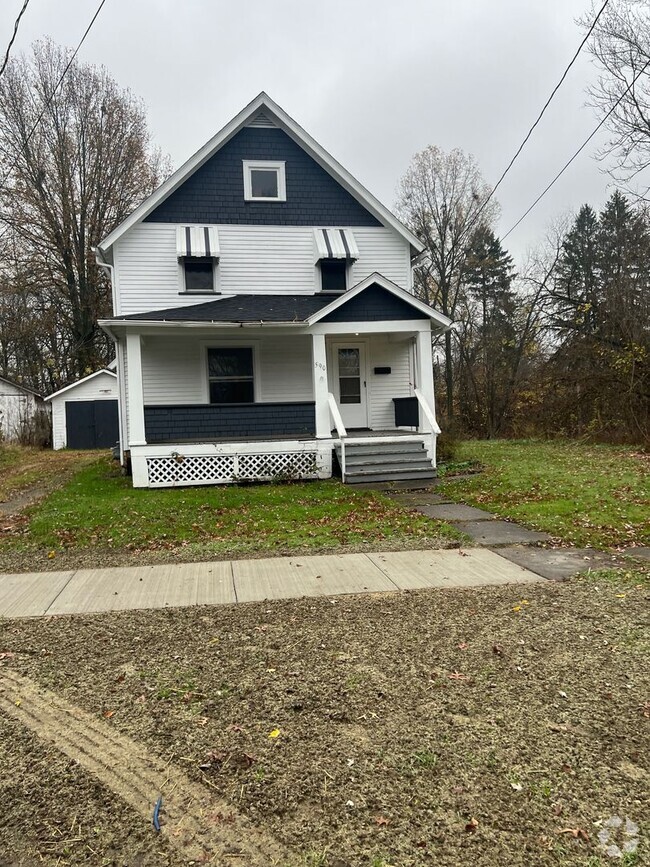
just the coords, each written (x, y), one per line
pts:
(264, 181)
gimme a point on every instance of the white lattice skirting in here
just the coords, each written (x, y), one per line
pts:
(179, 469)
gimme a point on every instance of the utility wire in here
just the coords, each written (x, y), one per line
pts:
(49, 99)
(546, 105)
(580, 149)
(13, 36)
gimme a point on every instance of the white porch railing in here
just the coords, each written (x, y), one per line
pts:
(340, 427)
(430, 416)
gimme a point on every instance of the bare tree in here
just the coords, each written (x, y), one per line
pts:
(443, 199)
(73, 163)
(621, 47)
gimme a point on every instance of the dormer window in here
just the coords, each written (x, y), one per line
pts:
(336, 250)
(333, 275)
(197, 248)
(264, 181)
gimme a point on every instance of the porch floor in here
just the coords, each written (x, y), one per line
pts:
(352, 434)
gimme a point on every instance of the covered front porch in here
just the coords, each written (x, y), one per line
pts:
(216, 402)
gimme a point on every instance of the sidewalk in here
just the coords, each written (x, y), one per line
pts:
(229, 582)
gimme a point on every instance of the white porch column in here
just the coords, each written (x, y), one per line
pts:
(135, 390)
(424, 375)
(319, 374)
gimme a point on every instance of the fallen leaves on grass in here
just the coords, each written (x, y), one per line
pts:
(275, 733)
(471, 826)
(382, 821)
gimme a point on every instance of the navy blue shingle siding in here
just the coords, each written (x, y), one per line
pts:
(215, 192)
(221, 421)
(374, 304)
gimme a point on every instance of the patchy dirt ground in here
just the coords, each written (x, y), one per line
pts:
(439, 727)
(29, 474)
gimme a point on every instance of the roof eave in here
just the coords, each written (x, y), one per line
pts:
(108, 324)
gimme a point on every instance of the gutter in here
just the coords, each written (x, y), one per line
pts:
(108, 324)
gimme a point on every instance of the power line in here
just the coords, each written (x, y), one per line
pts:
(13, 36)
(580, 149)
(49, 99)
(546, 105)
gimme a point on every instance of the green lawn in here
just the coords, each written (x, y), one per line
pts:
(583, 494)
(99, 509)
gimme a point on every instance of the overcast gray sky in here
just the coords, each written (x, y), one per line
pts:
(372, 80)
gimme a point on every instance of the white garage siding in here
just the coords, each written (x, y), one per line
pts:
(97, 386)
(17, 405)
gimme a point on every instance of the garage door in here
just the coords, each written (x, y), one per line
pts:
(91, 424)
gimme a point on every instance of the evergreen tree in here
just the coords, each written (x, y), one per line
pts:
(577, 284)
(600, 314)
(489, 343)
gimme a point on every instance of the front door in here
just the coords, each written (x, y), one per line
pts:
(350, 383)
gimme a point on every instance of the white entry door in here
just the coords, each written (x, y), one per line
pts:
(349, 363)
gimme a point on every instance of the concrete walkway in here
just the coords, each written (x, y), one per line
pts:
(229, 582)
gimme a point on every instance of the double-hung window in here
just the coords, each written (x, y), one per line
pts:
(231, 377)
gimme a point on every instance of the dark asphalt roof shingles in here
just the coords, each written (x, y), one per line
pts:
(241, 308)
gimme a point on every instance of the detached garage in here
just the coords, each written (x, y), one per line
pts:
(84, 414)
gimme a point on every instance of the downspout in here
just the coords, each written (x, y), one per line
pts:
(121, 384)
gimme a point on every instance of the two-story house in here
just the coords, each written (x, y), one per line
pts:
(264, 320)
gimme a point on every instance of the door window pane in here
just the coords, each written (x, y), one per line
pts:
(350, 390)
(349, 375)
(349, 362)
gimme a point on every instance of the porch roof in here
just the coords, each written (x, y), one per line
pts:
(239, 308)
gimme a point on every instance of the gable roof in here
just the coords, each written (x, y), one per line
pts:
(379, 280)
(278, 116)
(19, 386)
(79, 381)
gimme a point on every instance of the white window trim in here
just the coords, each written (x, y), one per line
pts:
(216, 288)
(227, 344)
(318, 280)
(278, 166)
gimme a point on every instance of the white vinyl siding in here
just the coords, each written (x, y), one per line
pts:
(382, 388)
(254, 259)
(174, 369)
(102, 387)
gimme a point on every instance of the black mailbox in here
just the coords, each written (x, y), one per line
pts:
(382, 371)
